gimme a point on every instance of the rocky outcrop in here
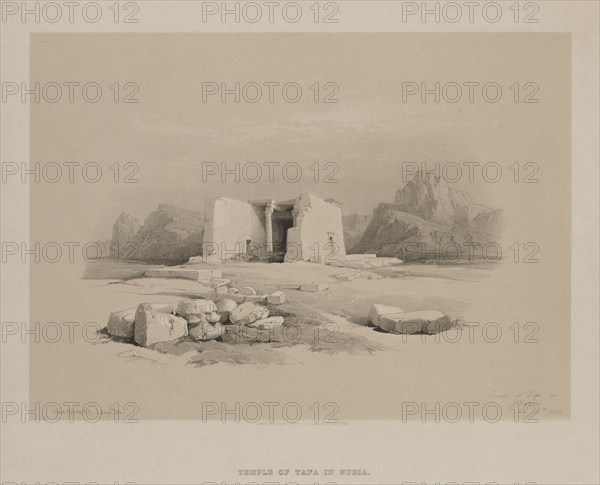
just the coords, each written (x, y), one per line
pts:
(169, 235)
(488, 222)
(354, 227)
(124, 230)
(430, 220)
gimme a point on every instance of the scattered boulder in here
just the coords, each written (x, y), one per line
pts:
(224, 308)
(248, 312)
(186, 308)
(377, 311)
(194, 320)
(247, 290)
(314, 286)
(120, 324)
(233, 290)
(152, 326)
(276, 298)
(206, 331)
(267, 323)
(221, 290)
(213, 317)
(429, 321)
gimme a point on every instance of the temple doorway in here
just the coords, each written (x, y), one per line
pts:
(282, 220)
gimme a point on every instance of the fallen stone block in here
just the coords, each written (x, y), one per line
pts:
(200, 306)
(233, 290)
(247, 313)
(247, 290)
(152, 326)
(265, 323)
(224, 308)
(429, 321)
(188, 274)
(276, 298)
(377, 311)
(314, 286)
(256, 298)
(206, 331)
(120, 324)
(222, 290)
(289, 286)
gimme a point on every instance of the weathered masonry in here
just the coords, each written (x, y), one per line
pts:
(306, 228)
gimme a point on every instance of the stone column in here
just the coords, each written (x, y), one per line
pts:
(269, 208)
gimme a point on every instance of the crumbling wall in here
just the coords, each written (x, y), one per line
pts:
(309, 239)
(228, 224)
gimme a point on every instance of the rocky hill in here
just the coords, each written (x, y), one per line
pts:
(124, 229)
(169, 235)
(354, 227)
(426, 218)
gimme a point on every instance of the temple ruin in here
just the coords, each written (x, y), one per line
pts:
(306, 228)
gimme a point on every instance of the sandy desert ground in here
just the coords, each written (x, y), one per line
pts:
(365, 372)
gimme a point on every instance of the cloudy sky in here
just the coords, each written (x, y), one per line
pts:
(368, 134)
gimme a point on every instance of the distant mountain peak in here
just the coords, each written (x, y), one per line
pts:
(426, 210)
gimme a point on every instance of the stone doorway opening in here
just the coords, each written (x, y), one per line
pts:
(282, 220)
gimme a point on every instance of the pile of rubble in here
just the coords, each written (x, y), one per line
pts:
(200, 319)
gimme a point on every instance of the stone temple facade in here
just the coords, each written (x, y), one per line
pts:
(306, 228)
